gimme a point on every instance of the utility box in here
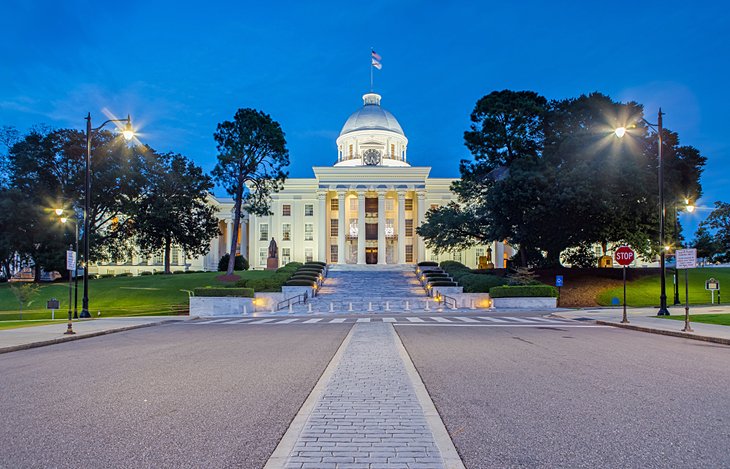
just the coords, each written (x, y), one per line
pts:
(605, 262)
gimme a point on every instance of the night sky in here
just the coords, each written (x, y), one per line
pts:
(179, 70)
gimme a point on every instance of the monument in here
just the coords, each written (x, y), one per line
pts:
(272, 262)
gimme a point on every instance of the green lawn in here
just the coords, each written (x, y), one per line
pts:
(18, 324)
(120, 296)
(721, 319)
(645, 291)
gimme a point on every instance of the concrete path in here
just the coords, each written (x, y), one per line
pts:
(644, 319)
(369, 410)
(37, 336)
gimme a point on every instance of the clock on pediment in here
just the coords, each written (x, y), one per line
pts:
(371, 157)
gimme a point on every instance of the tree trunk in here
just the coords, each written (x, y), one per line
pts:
(523, 257)
(234, 232)
(168, 245)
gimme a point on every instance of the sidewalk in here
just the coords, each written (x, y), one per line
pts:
(38, 336)
(643, 319)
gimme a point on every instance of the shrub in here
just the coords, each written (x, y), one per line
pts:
(428, 264)
(105, 276)
(323, 264)
(452, 265)
(309, 269)
(239, 263)
(523, 276)
(480, 283)
(216, 291)
(300, 283)
(511, 291)
(290, 267)
(124, 274)
(146, 272)
(443, 283)
(435, 273)
(306, 275)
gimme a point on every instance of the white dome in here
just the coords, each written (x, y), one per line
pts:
(371, 117)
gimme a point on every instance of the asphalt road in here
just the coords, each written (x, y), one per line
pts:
(165, 396)
(581, 397)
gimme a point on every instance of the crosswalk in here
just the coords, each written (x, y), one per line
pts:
(501, 321)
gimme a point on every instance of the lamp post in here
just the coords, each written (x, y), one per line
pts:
(690, 208)
(64, 220)
(620, 132)
(128, 133)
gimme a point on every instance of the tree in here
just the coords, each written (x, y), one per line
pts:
(174, 209)
(706, 245)
(24, 293)
(719, 222)
(252, 157)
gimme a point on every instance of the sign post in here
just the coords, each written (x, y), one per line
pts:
(70, 266)
(624, 256)
(713, 286)
(53, 305)
(686, 259)
(558, 283)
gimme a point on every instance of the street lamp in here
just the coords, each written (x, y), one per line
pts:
(75, 221)
(690, 208)
(128, 134)
(620, 132)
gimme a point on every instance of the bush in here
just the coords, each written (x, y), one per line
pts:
(435, 273)
(105, 276)
(323, 264)
(146, 272)
(443, 283)
(305, 275)
(124, 274)
(511, 291)
(480, 283)
(300, 283)
(452, 265)
(428, 264)
(217, 291)
(268, 284)
(239, 263)
(290, 267)
(309, 269)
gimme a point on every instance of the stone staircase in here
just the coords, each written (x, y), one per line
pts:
(371, 288)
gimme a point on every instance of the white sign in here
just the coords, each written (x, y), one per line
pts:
(686, 258)
(70, 260)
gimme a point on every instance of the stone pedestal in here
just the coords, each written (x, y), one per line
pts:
(272, 263)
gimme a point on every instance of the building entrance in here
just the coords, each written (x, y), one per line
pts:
(371, 255)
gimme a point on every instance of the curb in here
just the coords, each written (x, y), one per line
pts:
(61, 340)
(684, 335)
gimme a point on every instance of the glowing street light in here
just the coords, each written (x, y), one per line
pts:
(620, 132)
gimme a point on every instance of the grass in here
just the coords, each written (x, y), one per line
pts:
(120, 296)
(645, 291)
(18, 324)
(721, 319)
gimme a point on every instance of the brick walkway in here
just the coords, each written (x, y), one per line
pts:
(369, 416)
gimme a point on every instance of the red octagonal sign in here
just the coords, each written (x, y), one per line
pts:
(624, 255)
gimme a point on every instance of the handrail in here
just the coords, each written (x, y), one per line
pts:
(300, 298)
(444, 298)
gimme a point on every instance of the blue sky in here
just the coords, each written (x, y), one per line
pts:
(180, 68)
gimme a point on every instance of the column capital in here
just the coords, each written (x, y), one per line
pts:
(421, 195)
(321, 195)
(341, 195)
(360, 195)
(381, 194)
(401, 195)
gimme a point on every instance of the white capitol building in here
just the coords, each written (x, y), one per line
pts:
(362, 210)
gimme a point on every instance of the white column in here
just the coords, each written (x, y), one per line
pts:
(401, 227)
(361, 228)
(322, 227)
(498, 255)
(381, 227)
(420, 252)
(229, 234)
(341, 228)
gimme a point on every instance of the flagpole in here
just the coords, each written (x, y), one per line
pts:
(371, 70)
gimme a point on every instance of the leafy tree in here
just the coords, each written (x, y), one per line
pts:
(706, 245)
(719, 222)
(252, 157)
(24, 293)
(174, 210)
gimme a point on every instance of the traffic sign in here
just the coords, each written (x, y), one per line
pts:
(558, 280)
(70, 260)
(686, 258)
(624, 255)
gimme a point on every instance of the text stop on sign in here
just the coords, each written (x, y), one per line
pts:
(624, 255)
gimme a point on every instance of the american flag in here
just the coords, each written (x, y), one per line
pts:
(376, 60)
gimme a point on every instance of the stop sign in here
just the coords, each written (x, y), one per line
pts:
(624, 255)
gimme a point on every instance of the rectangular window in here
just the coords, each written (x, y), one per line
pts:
(389, 205)
(371, 231)
(392, 149)
(285, 256)
(263, 254)
(158, 259)
(334, 228)
(308, 210)
(479, 253)
(351, 152)
(286, 232)
(333, 253)
(409, 253)
(308, 231)
(286, 210)
(264, 232)
(409, 204)
(308, 255)
(353, 204)
(335, 204)
(174, 256)
(457, 256)
(434, 257)
(409, 227)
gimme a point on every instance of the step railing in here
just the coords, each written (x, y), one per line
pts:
(301, 298)
(448, 301)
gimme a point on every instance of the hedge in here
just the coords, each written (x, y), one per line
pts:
(290, 267)
(323, 264)
(512, 291)
(300, 283)
(313, 278)
(428, 264)
(440, 283)
(480, 283)
(211, 291)
(453, 265)
(435, 273)
(239, 263)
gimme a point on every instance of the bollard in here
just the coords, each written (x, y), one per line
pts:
(387, 306)
(407, 306)
(472, 305)
(370, 305)
(427, 308)
(309, 307)
(332, 307)
(350, 308)
(291, 310)
(245, 310)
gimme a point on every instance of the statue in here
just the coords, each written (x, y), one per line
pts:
(272, 262)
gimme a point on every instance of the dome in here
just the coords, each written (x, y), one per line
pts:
(371, 117)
